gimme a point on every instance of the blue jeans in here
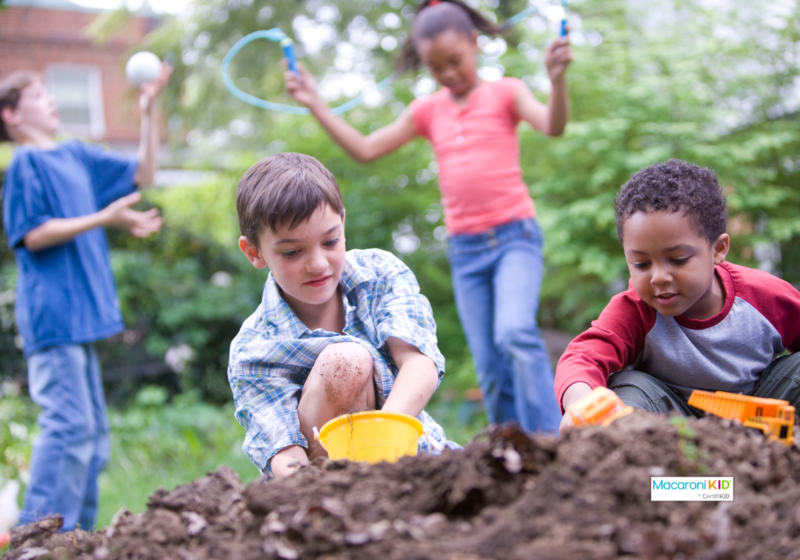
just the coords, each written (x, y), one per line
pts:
(497, 276)
(73, 445)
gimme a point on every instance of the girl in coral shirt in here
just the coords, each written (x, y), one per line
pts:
(495, 245)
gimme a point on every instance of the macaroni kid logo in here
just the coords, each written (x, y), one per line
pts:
(691, 489)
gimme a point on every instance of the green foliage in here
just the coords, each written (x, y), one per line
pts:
(685, 431)
(695, 459)
(13, 364)
(156, 443)
(651, 82)
(17, 430)
(106, 25)
(674, 81)
(461, 420)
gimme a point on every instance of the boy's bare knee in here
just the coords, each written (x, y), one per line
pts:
(346, 356)
(343, 370)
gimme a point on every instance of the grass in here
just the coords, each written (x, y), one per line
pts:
(461, 420)
(157, 445)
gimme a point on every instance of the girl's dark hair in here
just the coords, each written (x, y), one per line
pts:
(435, 16)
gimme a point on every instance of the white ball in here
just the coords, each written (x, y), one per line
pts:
(142, 67)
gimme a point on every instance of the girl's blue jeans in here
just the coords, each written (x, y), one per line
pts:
(497, 276)
(73, 446)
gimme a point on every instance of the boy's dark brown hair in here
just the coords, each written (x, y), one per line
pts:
(284, 189)
(675, 186)
(11, 87)
(435, 16)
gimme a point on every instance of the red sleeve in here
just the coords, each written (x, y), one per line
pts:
(777, 300)
(614, 341)
(420, 112)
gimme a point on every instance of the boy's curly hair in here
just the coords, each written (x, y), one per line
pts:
(672, 187)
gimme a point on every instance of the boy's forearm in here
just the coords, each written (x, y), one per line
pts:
(288, 460)
(57, 231)
(558, 107)
(574, 393)
(148, 149)
(416, 382)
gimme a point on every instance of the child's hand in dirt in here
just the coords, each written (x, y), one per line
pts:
(120, 215)
(573, 394)
(303, 88)
(558, 57)
(566, 424)
(151, 90)
(288, 461)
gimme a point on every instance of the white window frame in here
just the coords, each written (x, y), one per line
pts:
(97, 123)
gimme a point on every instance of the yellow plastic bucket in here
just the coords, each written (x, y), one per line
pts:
(372, 436)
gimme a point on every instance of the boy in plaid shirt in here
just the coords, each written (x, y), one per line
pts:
(336, 332)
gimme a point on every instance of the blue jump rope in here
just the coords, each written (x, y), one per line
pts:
(287, 46)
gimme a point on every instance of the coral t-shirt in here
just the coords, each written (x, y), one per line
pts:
(478, 153)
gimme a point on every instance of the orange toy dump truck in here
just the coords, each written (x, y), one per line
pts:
(773, 417)
(599, 408)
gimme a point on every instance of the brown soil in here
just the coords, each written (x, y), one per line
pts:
(585, 495)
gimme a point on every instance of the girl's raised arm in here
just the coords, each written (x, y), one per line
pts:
(548, 119)
(359, 147)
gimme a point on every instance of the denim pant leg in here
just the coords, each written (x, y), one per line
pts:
(102, 446)
(64, 453)
(473, 290)
(517, 283)
(496, 280)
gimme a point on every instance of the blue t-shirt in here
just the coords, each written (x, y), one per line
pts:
(66, 293)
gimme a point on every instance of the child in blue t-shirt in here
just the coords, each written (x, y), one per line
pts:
(57, 198)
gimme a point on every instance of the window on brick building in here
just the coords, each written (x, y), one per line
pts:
(78, 92)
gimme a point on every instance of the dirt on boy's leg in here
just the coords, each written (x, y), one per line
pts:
(340, 382)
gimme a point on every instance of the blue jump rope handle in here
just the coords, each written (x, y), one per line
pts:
(287, 45)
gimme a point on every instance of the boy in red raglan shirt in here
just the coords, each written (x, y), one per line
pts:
(688, 319)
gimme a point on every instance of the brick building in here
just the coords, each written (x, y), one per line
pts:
(88, 81)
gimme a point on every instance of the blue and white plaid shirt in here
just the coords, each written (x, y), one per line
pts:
(274, 351)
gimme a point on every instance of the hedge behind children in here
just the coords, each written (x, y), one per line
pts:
(57, 198)
(495, 245)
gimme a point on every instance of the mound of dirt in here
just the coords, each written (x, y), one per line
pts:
(585, 495)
